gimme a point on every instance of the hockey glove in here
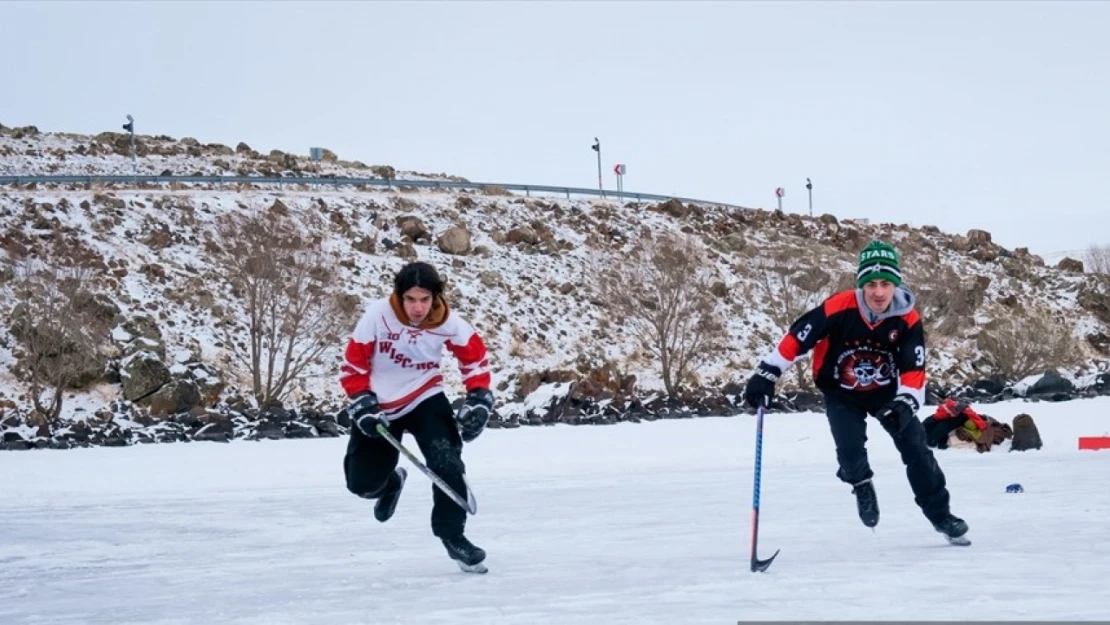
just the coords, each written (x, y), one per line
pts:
(474, 413)
(897, 414)
(761, 386)
(366, 414)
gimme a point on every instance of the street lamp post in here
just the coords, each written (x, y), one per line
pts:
(809, 187)
(130, 128)
(597, 148)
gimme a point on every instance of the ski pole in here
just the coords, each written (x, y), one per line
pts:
(470, 504)
(757, 564)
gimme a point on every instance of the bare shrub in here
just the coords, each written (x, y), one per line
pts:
(491, 189)
(661, 289)
(384, 171)
(1019, 346)
(1097, 259)
(792, 288)
(63, 331)
(289, 292)
(943, 301)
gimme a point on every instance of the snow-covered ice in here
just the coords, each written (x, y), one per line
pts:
(633, 523)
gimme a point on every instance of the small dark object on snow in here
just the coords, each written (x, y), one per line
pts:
(1026, 434)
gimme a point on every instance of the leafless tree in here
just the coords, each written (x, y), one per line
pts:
(63, 331)
(661, 290)
(288, 287)
(1097, 259)
(1017, 346)
(792, 289)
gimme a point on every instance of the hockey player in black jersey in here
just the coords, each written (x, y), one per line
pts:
(868, 359)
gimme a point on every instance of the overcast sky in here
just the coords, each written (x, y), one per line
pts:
(959, 114)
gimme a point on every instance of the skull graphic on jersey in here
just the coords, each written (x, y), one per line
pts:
(863, 369)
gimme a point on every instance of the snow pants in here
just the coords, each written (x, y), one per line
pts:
(848, 422)
(369, 462)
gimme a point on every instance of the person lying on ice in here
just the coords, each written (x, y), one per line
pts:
(956, 419)
(868, 359)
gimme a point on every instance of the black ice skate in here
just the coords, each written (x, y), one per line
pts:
(867, 503)
(468, 556)
(387, 503)
(954, 530)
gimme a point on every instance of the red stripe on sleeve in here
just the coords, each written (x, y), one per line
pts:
(845, 300)
(789, 347)
(472, 356)
(911, 318)
(913, 379)
(356, 357)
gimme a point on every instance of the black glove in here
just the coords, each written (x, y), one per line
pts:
(897, 413)
(474, 413)
(761, 386)
(365, 413)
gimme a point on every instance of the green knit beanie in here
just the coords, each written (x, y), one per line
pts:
(879, 261)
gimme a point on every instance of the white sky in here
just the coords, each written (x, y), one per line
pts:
(959, 114)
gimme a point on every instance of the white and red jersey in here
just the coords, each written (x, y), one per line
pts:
(401, 363)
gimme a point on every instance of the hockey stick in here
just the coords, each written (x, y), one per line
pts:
(757, 564)
(470, 504)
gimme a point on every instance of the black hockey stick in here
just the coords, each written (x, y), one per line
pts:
(757, 564)
(470, 504)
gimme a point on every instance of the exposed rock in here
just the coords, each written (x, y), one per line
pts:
(174, 397)
(522, 234)
(141, 374)
(1070, 265)
(1052, 386)
(978, 237)
(455, 240)
(413, 227)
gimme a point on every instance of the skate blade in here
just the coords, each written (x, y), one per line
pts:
(959, 541)
(472, 568)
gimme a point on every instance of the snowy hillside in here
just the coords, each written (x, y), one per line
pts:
(524, 276)
(26, 151)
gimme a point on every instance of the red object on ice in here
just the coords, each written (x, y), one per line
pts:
(1094, 442)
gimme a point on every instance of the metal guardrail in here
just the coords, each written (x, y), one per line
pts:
(528, 189)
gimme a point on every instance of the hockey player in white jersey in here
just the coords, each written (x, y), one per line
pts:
(391, 373)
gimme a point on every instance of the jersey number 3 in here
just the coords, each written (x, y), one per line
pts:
(919, 353)
(805, 332)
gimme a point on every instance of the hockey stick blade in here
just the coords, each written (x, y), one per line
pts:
(758, 566)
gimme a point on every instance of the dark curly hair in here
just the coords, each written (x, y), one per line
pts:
(419, 274)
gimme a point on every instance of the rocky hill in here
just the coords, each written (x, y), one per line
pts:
(522, 269)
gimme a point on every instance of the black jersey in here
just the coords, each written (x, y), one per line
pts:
(856, 353)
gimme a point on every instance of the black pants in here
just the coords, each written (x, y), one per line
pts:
(937, 431)
(369, 462)
(848, 422)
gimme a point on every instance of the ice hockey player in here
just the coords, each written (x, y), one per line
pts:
(391, 373)
(868, 359)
